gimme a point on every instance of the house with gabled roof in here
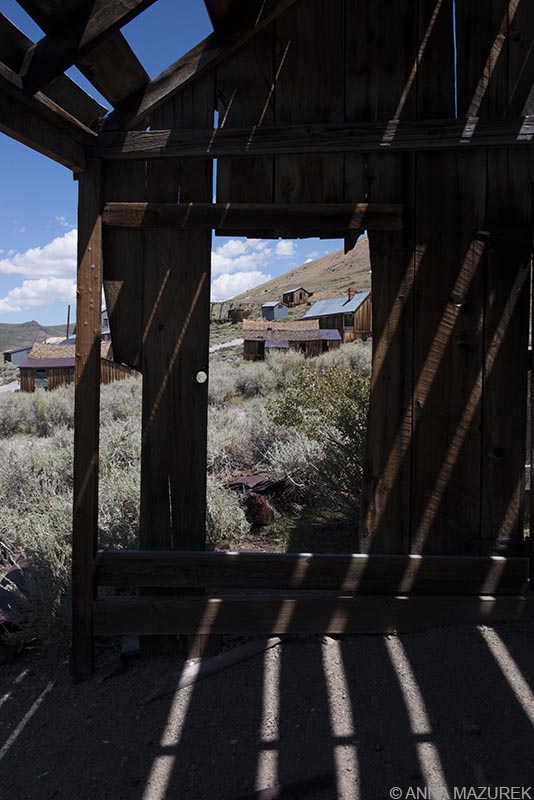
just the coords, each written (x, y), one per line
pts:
(350, 314)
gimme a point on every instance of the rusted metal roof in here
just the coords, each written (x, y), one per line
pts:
(281, 337)
(47, 363)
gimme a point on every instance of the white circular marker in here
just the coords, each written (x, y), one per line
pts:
(201, 377)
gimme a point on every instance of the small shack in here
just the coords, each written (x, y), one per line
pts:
(296, 297)
(51, 365)
(16, 355)
(305, 337)
(274, 310)
(350, 314)
(238, 314)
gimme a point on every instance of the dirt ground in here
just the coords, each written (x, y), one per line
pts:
(325, 718)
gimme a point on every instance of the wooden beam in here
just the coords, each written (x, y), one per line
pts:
(112, 67)
(76, 37)
(197, 62)
(362, 574)
(363, 137)
(259, 216)
(63, 91)
(26, 125)
(284, 614)
(86, 418)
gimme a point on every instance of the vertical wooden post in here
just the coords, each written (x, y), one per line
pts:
(86, 418)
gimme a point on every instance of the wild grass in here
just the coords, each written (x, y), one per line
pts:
(262, 416)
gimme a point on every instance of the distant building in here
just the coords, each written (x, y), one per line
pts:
(51, 365)
(296, 297)
(304, 337)
(16, 355)
(350, 314)
(274, 310)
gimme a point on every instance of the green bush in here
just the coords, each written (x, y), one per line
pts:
(330, 407)
(226, 521)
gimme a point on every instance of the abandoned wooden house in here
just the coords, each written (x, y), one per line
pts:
(410, 120)
(274, 310)
(350, 314)
(310, 340)
(295, 297)
(51, 365)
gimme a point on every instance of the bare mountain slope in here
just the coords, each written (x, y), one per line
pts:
(334, 273)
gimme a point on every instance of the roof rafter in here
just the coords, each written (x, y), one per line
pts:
(76, 37)
(41, 124)
(192, 66)
(63, 90)
(112, 67)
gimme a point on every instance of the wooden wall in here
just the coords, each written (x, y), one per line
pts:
(445, 454)
(60, 376)
(363, 317)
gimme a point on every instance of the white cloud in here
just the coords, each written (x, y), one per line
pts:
(284, 248)
(239, 256)
(62, 220)
(57, 259)
(40, 292)
(227, 286)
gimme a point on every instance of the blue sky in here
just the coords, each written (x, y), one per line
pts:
(38, 198)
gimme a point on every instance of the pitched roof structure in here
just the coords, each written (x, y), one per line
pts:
(336, 305)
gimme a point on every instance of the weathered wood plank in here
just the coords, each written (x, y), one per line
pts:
(123, 276)
(63, 91)
(74, 38)
(361, 574)
(245, 97)
(380, 85)
(310, 88)
(247, 143)
(86, 418)
(25, 124)
(192, 66)
(323, 613)
(112, 67)
(224, 216)
(507, 279)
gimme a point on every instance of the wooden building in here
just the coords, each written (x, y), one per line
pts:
(16, 355)
(350, 314)
(310, 342)
(295, 297)
(411, 120)
(51, 365)
(274, 310)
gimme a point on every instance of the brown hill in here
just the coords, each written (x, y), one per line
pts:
(332, 274)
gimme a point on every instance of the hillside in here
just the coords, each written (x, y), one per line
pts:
(333, 273)
(26, 334)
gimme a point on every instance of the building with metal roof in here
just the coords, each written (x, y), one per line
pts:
(350, 314)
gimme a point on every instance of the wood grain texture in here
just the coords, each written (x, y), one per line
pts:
(381, 60)
(245, 97)
(86, 418)
(243, 145)
(310, 88)
(301, 217)
(112, 67)
(123, 265)
(175, 347)
(74, 38)
(199, 61)
(322, 614)
(63, 91)
(23, 121)
(358, 574)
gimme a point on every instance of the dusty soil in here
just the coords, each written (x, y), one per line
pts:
(329, 718)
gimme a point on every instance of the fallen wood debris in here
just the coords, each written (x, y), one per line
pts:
(211, 666)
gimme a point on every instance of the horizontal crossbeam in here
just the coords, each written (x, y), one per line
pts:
(361, 574)
(364, 137)
(255, 216)
(286, 614)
